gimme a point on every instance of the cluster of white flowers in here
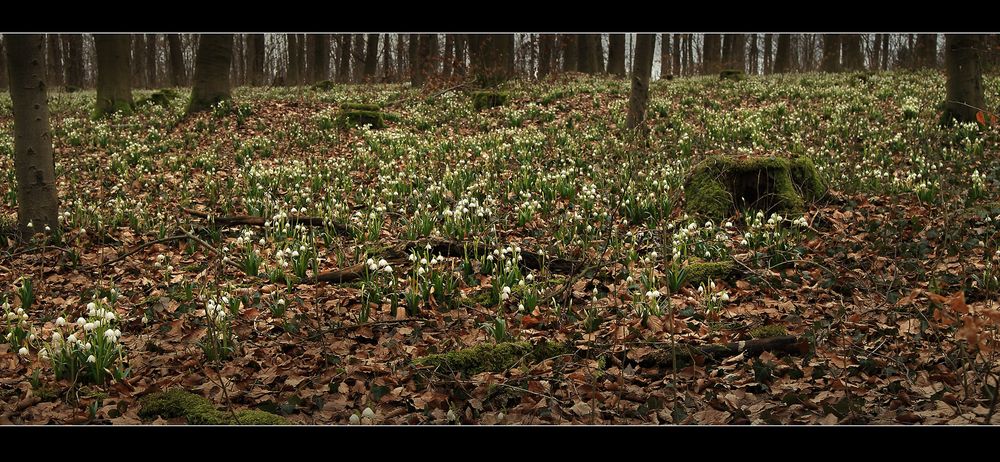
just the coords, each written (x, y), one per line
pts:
(381, 265)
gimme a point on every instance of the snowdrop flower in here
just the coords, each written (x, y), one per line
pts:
(725, 296)
(368, 412)
(421, 271)
(355, 420)
(91, 359)
(23, 351)
(423, 261)
(520, 306)
(530, 277)
(383, 263)
(708, 254)
(653, 254)
(56, 337)
(388, 269)
(109, 316)
(91, 307)
(71, 339)
(81, 321)
(413, 257)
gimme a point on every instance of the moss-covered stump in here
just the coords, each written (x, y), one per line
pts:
(732, 74)
(359, 114)
(200, 411)
(768, 331)
(488, 99)
(721, 185)
(703, 272)
(492, 358)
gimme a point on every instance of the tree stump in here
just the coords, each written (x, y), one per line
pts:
(732, 74)
(357, 114)
(720, 186)
(488, 99)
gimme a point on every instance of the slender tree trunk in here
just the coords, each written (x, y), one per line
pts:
(546, 42)
(738, 52)
(488, 53)
(152, 53)
(114, 80)
(402, 53)
(711, 54)
(418, 67)
(598, 54)
(783, 55)
(371, 57)
(54, 63)
(768, 57)
(358, 58)
(34, 164)
(386, 58)
(570, 52)
(74, 60)
(433, 55)
(877, 53)
(642, 67)
(689, 56)
(292, 77)
(965, 77)
(449, 55)
(664, 55)
(927, 50)
(831, 53)
(139, 76)
(461, 41)
(211, 72)
(585, 53)
(3, 63)
(178, 76)
(344, 72)
(321, 57)
(754, 55)
(677, 55)
(616, 55)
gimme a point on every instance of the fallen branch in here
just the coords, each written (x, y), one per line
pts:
(663, 357)
(138, 248)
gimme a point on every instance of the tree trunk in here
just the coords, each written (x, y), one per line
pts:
(139, 77)
(965, 78)
(433, 55)
(358, 58)
(419, 51)
(449, 55)
(211, 72)
(677, 55)
(738, 52)
(73, 47)
(151, 58)
(292, 74)
(768, 57)
(754, 55)
(178, 76)
(371, 58)
(689, 56)
(488, 53)
(34, 165)
(599, 54)
(386, 58)
(616, 55)
(3, 63)
(664, 55)
(546, 42)
(927, 50)
(783, 55)
(460, 44)
(711, 54)
(570, 52)
(321, 57)
(642, 67)
(54, 76)
(831, 53)
(585, 53)
(401, 57)
(114, 80)
(853, 59)
(344, 72)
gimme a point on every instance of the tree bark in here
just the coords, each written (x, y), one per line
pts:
(34, 164)
(489, 58)
(927, 50)
(711, 54)
(853, 59)
(178, 75)
(3, 63)
(371, 58)
(664, 55)
(831, 53)
(616, 55)
(449, 55)
(292, 77)
(344, 73)
(754, 55)
(211, 72)
(677, 55)
(151, 58)
(358, 58)
(768, 57)
(321, 57)
(73, 47)
(965, 78)
(737, 52)
(585, 53)
(139, 76)
(461, 41)
(386, 58)
(642, 67)
(54, 64)
(570, 52)
(114, 80)
(783, 55)
(599, 54)
(546, 42)
(255, 59)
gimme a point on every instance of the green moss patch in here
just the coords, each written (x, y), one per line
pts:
(768, 331)
(703, 272)
(720, 185)
(160, 98)
(732, 74)
(488, 99)
(325, 85)
(200, 411)
(493, 358)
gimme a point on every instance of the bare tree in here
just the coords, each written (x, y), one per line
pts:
(211, 72)
(54, 62)
(616, 55)
(783, 55)
(371, 57)
(546, 44)
(831, 53)
(178, 73)
(34, 165)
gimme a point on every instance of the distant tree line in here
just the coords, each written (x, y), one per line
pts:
(161, 60)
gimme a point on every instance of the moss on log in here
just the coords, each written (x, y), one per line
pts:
(200, 411)
(720, 185)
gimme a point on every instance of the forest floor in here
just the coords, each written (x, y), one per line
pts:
(556, 248)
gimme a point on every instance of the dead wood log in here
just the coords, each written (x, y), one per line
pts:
(663, 357)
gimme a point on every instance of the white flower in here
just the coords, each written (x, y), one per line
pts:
(530, 277)
(368, 412)
(71, 339)
(382, 263)
(388, 269)
(56, 337)
(109, 316)
(91, 306)
(91, 359)
(88, 326)
(23, 351)
(413, 257)
(355, 420)
(653, 254)
(145, 320)
(81, 321)
(725, 296)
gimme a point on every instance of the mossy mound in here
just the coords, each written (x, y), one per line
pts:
(160, 98)
(324, 85)
(488, 99)
(493, 358)
(703, 272)
(768, 331)
(72, 89)
(720, 185)
(732, 74)
(350, 119)
(200, 411)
